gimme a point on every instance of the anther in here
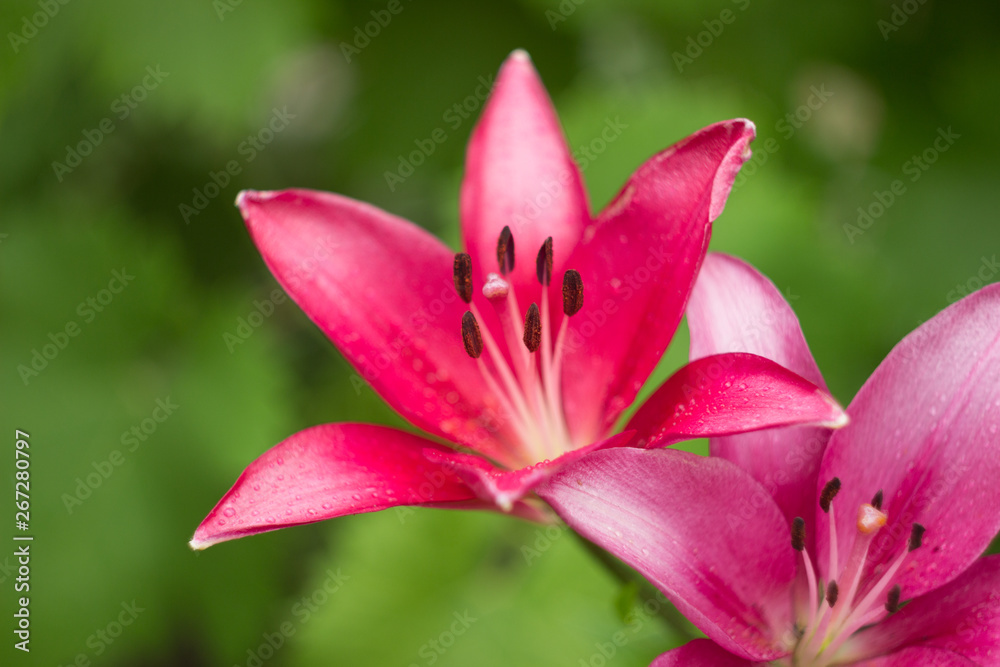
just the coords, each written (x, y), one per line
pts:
(916, 536)
(832, 593)
(463, 276)
(877, 500)
(798, 533)
(543, 263)
(505, 251)
(572, 292)
(892, 600)
(471, 335)
(532, 328)
(830, 491)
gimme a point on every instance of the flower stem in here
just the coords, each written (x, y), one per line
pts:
(646, 592)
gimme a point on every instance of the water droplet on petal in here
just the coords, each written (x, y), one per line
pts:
(229, 511)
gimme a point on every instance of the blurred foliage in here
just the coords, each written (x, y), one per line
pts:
(223, 69)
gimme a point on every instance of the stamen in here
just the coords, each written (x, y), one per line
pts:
(463, 276)
(892, 600)
(877, 500)
(832, 593)
(798, 533)
(916, 537)
(830, 491)
(505, 251)
(572, 292)
(471, 336)
(543, 263)
(532, 328)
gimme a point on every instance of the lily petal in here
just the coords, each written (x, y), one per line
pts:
(962, 616)
(730, 393)
(700, 529)
(519, 173)
(505, 487)
(382, 290)
(700, 653)
(924, 430)
(924, 657)
(734, 308)
(638, 262)
(329, 471)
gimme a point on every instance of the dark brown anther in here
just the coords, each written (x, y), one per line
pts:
(505, 251)
(877, 500)
(830, 491)
(572, 292)
(832, 593)
(471, 335)
(916, 537)
(892, 600)
(463, 276)
(543, 263)
(532, 328)
(798, 533)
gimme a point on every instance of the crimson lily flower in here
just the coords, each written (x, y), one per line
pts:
(506, 395)
(798, 548)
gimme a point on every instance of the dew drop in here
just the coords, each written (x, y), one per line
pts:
(229, 511)
(222, 522)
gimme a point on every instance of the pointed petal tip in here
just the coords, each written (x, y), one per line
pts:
(519, 55)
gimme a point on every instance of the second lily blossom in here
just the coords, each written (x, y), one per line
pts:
(803, 548)
(520, 353)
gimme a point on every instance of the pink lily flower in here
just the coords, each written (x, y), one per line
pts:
(798, 547)
(511, 374)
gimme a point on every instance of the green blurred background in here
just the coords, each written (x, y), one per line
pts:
(199, 78)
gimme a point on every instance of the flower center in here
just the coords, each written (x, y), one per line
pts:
(525, 381)
(836, 609)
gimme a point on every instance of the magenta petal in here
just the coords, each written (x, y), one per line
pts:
(329, 471)
(924, 430)
(505, 487)
(700, 653)
(921, 657)
(734, 308)
(382, 290)
(962, 616)
(700, 529)
(730, 393)
(519, 173)
(638, 262)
